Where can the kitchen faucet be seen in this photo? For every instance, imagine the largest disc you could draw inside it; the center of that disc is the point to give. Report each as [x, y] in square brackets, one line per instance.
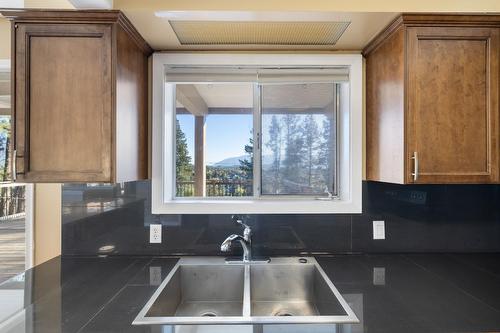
[245, 240]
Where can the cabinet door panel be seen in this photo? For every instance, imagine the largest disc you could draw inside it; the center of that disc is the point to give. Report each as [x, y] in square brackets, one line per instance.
[453, 104]
[63, 76]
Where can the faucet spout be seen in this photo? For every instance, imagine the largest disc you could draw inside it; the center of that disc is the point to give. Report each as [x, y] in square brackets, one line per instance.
[227, 243]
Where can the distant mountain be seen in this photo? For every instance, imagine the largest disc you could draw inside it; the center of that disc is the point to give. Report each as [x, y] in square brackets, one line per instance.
[235, 161]
[231, 161]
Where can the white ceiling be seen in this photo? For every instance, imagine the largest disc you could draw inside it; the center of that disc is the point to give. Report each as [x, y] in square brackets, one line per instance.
[295, 96]
[367, 17]
[226, 95]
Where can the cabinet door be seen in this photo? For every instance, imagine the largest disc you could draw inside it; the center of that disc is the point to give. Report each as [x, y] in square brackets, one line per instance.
[63, 103]
[452, 105]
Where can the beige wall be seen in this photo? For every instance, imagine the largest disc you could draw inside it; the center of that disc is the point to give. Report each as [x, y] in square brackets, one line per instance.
[56, 4]
[4, 39]
[47, 222]
[315, 5]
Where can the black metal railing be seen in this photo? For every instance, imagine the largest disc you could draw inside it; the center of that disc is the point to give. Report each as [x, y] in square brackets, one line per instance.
[216, 188]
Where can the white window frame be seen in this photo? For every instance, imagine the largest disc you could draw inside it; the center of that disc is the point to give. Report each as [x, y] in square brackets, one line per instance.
[163, 139]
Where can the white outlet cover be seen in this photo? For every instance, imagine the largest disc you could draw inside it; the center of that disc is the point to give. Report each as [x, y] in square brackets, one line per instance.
[155, 233]
[378, 229]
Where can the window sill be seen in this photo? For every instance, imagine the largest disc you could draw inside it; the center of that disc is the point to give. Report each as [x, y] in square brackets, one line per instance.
[251, 206]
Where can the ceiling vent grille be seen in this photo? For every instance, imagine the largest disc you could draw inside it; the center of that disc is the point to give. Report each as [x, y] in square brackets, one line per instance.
[258, 32]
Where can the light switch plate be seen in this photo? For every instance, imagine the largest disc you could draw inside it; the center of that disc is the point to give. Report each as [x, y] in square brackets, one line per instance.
[155, 233]
[378, 229]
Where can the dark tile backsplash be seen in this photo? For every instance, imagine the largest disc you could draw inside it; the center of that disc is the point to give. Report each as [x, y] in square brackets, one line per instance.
[109, 219]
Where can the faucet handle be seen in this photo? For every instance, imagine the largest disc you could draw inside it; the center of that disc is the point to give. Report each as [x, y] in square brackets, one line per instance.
[240, 221]
[226, 244]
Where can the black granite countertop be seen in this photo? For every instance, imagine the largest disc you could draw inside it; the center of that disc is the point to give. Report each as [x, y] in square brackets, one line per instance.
[388, 293]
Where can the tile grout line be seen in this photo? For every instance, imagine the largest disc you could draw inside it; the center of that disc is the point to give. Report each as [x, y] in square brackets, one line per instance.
[454, 285]
[102, 308]
[112, 298]
[479, 268]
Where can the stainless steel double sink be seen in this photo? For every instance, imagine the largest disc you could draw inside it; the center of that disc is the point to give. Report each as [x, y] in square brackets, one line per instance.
[206, 290]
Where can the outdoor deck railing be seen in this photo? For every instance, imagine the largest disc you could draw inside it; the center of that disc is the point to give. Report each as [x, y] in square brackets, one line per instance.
[12, 200]
[216, 188]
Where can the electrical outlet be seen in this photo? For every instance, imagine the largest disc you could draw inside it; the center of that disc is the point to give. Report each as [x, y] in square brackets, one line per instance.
[155, 233]
[378, 229]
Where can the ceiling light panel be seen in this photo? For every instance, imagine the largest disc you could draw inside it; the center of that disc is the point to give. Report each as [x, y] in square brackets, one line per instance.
[258, 32]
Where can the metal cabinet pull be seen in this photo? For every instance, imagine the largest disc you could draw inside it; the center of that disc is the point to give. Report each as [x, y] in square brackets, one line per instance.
[415, 166]
[14, 165]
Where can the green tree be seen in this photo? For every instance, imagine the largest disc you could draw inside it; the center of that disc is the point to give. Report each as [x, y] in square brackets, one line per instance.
[310, 133]
[326, 153]
[246, 165]
[275, 145]
[294, 148]
[183, 165]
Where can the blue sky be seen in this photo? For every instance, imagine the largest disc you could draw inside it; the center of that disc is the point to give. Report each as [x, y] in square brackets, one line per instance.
[226, 135]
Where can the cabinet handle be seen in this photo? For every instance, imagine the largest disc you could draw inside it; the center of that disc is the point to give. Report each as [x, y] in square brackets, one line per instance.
[415, 166]
[14, 165]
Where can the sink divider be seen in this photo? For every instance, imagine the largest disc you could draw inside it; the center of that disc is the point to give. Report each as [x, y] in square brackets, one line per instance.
[246, 293]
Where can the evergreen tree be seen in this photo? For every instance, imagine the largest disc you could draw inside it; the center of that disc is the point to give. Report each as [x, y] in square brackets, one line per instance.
[275, 145]
[246, 165]
[294, 148]
[325, 156]
[183, 165]
[310, 133]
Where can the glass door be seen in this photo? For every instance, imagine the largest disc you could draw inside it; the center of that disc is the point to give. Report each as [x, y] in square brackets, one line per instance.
[15, 199]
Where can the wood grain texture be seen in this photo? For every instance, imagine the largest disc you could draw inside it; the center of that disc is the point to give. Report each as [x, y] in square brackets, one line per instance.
[92, 16]
[63, 116]
[131, 162]
[70, 106]
[448, 66]
[200, 171]
[12, 248]
[81, 103]
[385, 111]
[453, 103]
[432, 19]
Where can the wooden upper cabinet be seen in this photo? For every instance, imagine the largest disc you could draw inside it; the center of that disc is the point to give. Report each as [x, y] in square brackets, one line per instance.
[452, 118]
[80, 97]
[432, 111]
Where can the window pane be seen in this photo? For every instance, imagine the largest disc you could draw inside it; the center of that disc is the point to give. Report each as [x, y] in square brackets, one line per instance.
[298, 139]
[214, 154]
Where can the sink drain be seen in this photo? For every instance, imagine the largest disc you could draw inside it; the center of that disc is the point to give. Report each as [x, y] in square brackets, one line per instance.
[208, 314]
[282, 313]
